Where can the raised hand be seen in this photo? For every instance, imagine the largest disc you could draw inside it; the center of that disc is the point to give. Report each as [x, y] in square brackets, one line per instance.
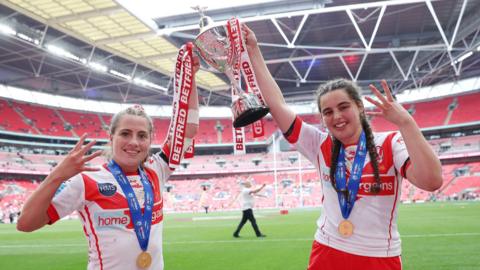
[391, 110]
[196, 63]
[75, 161]
[34, 212]
[250, 38]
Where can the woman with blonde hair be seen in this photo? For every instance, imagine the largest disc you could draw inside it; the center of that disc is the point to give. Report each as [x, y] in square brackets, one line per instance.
[120, 203]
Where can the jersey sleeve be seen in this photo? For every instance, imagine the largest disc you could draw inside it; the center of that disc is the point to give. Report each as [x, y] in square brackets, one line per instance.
[400, 154]
[306, 138]
[68, 198]
[159, 163]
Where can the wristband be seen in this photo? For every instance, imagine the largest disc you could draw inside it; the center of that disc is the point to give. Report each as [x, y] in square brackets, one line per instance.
[193, 116]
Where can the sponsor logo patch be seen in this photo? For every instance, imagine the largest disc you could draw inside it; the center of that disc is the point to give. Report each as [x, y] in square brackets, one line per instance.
[111, 220]
[379, 153]
[60, 188]
[387, 187]
[107, 189]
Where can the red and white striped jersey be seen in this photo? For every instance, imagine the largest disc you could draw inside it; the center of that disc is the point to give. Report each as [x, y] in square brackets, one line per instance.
[374, 216]
[104, 212]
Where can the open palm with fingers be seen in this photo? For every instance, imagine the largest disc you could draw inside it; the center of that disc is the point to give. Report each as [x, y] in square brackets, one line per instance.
[391, 110]
[76, 160]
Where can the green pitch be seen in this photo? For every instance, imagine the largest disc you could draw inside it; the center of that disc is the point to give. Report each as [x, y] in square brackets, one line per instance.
[435, 236]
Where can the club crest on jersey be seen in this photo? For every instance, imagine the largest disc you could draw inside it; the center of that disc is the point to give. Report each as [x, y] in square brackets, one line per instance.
[379, 153]
[107, 189]
[325, 176]
[400, 141]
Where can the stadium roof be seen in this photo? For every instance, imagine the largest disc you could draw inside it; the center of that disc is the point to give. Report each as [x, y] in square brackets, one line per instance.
[106, 50]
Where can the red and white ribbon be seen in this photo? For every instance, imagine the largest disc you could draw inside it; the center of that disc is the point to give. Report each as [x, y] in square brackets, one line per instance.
[234, 35]
[243, 63]
[183, 84]
[239, 141]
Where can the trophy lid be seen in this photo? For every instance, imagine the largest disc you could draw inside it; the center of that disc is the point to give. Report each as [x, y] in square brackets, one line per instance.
[205, 21]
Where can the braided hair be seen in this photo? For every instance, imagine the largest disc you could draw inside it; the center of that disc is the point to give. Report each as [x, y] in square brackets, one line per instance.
[353, 91]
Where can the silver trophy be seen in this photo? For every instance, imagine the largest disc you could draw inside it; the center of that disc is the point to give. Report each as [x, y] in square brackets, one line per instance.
[213, 46]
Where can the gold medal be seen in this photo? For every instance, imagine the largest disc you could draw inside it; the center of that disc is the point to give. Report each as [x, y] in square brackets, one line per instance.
[144, 259]
[345, 228]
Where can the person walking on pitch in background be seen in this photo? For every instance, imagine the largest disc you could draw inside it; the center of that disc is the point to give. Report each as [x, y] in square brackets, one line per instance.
[361, 171]
[204, 201]
[120, 203]
[248, 194]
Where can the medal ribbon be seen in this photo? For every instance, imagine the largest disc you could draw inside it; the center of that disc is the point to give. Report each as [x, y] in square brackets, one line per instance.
[183, 81]
[141, 223]
[242, 63]
[347, 193]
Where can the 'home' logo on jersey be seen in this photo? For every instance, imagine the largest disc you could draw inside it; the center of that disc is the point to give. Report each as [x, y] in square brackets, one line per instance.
[111, 220]
[107, 189]
[157, 215]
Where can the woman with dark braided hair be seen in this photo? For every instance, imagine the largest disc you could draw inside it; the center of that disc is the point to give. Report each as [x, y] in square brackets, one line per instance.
[353, 93]
[361, 171]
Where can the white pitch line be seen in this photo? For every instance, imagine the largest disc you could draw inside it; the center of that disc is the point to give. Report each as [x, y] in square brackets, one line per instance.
[43, 246]
[437, 235]
[250, 241]
[253, 241]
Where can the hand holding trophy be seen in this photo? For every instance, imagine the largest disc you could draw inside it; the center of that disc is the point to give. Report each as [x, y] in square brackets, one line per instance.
[223, 48]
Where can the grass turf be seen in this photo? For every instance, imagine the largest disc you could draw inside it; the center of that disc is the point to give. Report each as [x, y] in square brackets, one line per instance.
[434, 236]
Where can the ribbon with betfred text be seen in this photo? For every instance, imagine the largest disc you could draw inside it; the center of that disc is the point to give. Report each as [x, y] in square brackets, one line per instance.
[176, 90]
[252, 85]
[245, 66]
[183, 84]
[235, 36]
[189, 153]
